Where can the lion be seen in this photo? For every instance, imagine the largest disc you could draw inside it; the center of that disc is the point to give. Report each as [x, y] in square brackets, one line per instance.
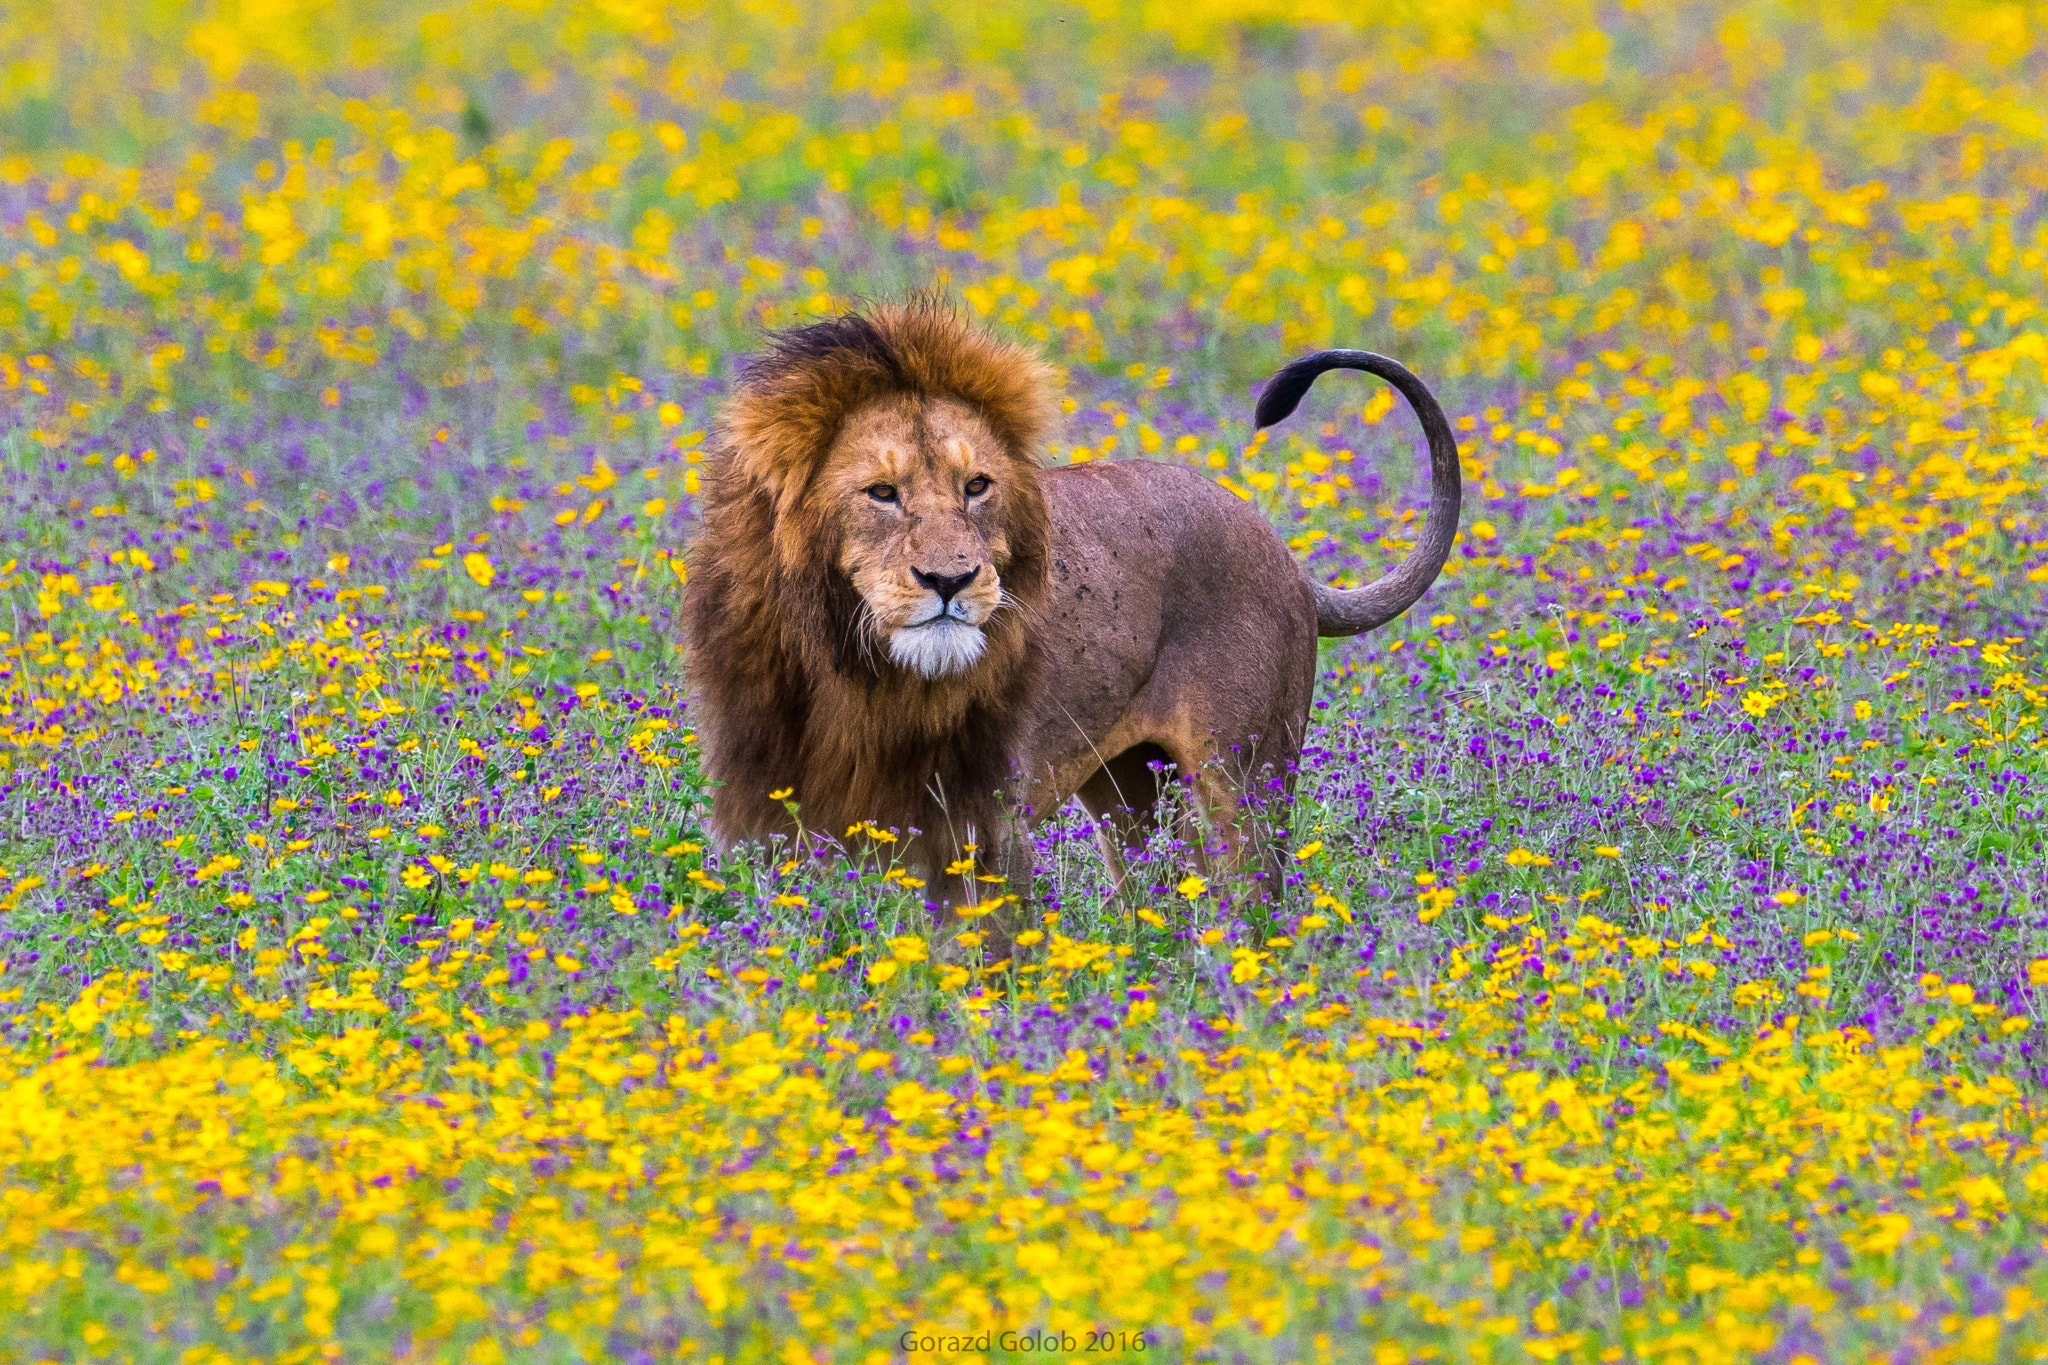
[899, 618]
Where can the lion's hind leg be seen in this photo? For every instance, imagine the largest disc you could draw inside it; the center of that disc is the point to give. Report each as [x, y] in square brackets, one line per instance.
[1124, 797]
[1208, 806]
[1242, 801]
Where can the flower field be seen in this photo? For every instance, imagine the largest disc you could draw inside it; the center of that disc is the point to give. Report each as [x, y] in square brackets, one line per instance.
[1659, 968]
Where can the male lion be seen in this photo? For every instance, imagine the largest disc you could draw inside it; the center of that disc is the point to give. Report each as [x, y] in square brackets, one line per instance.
[896, 611]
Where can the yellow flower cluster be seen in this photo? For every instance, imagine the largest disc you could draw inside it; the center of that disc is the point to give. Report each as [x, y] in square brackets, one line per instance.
[742, 1185]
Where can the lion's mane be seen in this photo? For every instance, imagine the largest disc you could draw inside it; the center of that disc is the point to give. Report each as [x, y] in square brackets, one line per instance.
[788, 690]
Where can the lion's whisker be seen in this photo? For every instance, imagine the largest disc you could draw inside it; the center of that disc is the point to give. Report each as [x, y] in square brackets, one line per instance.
[867, 631]
[1004, 600]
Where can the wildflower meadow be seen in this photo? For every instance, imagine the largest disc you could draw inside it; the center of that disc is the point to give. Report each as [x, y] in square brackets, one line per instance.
[1658, 966]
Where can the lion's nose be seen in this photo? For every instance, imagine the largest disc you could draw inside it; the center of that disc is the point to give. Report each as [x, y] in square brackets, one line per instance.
[945, 585]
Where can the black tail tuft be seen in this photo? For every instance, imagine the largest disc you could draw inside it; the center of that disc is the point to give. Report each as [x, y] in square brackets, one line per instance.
[1284, 391]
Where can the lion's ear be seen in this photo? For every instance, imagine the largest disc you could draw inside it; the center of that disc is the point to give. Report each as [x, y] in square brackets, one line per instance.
[766, 477]
[772, 440]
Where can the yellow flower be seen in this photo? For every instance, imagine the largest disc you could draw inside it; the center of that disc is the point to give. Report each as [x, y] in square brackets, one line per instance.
[1192, 886]
[1038, 1257]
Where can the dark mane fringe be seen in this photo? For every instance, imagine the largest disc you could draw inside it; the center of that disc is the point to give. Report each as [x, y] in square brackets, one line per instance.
[783, 696]
[848, 339]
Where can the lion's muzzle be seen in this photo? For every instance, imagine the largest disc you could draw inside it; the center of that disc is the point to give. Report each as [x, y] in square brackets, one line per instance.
[941, 631]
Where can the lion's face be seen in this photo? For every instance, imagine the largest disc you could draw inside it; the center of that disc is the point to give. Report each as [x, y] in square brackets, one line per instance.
[918, 485]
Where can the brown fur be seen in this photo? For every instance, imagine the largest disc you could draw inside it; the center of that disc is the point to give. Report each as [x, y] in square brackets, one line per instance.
[790, 691]
[1135, 614]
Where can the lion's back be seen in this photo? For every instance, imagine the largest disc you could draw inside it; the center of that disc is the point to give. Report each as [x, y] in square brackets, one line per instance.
[1205, 549]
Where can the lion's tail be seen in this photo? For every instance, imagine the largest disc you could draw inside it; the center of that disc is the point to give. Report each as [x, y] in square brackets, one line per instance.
[1342, 611]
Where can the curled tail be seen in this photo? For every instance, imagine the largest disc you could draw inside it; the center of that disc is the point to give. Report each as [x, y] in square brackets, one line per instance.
[1341, 611]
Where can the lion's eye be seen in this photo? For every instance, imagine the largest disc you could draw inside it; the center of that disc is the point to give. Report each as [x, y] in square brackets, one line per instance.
[882, 492]
[977, 485]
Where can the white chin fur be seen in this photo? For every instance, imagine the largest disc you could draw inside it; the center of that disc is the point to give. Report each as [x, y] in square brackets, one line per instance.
[938, 649]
